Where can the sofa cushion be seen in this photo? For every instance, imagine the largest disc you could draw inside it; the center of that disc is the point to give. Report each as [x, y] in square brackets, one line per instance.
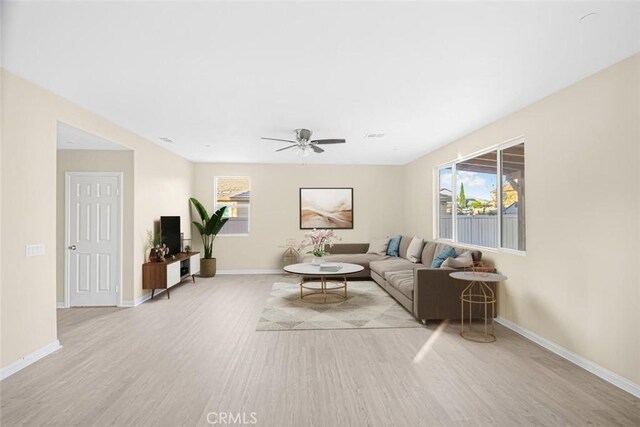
[405, 241]
[432, 248]
[447, 252]
[379, 246]
[463, 260]
[476, 255]
[394, 246]
[402, 280]
[428, 253]
[360, 259]
[390, 264]
[414, 251]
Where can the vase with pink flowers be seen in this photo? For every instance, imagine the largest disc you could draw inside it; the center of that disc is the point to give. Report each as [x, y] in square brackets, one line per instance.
[318, 240]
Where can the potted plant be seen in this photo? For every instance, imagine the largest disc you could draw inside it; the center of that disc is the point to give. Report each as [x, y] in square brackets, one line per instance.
[208, 229]
[318, 239]
[154, 242]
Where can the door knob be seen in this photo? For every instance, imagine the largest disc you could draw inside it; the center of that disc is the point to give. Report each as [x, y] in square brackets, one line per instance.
[72, 247]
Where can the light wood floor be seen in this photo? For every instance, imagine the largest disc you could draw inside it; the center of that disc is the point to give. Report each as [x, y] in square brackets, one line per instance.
[170, 363]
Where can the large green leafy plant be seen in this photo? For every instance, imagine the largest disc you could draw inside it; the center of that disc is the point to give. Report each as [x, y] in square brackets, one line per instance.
[209, 227]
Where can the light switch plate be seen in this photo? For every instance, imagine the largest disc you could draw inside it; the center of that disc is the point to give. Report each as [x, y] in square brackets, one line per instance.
[35, 250]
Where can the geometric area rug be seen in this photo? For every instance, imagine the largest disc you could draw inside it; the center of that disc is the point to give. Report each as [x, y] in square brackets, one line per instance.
[367, 307]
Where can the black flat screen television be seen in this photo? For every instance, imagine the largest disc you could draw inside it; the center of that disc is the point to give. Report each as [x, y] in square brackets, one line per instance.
[170, 230]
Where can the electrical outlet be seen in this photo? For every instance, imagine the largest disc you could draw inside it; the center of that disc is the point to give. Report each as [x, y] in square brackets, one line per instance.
[35, 250]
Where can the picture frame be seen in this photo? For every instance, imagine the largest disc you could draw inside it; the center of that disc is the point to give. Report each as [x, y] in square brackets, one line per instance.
[326, 207]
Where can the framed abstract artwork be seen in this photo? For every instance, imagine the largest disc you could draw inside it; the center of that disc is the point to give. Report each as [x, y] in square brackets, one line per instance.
[326, 208]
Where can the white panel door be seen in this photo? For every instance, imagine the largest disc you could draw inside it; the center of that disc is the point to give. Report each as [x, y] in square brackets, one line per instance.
[93, 239]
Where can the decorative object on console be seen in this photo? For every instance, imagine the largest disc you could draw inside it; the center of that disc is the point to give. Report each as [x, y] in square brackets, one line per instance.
[208, 229]
[186, 245]
[379, 246]
[318, 239]
[326, 208]
[154, 244]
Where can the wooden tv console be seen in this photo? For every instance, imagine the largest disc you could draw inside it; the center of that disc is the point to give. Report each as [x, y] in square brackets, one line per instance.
[170, 272]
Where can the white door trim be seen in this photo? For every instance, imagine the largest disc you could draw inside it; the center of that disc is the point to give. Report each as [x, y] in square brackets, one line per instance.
[67, 187]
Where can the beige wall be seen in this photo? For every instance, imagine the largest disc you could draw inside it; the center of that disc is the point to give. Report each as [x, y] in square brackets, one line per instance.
[578, 284]
[162, 186]
[97, 161]
[275, 207]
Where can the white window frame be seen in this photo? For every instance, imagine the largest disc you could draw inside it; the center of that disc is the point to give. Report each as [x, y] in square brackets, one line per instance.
[217, 206]
[454, 193]
[437, 208]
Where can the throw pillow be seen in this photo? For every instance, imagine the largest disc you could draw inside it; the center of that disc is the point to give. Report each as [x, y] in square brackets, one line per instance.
[379, 247]
[442, 256]
[463, 260]
[414, 251]
[394, 246]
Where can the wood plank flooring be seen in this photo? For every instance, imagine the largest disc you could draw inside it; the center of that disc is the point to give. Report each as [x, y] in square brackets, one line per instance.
[173, 362]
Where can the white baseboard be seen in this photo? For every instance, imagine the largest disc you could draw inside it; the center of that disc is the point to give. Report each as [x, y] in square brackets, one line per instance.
[572, 357]
[141, 299]
[267, 271]
[29, 359]
[60, 305]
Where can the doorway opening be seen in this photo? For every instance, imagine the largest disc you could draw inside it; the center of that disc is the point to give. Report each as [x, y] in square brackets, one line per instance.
[93, 177]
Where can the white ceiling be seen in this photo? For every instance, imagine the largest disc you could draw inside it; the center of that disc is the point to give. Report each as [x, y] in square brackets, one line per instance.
[214, 77]
[71, 138]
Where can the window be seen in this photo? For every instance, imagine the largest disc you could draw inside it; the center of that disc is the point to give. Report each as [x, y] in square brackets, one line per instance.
[475, 207]
[445, 220]
[235, 193]
[512, 200]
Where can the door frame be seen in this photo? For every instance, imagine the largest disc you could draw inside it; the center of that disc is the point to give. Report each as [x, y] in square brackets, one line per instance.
[119, 234]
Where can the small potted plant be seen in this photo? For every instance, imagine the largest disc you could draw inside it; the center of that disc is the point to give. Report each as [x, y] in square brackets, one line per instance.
[154, 243]
[208, 229]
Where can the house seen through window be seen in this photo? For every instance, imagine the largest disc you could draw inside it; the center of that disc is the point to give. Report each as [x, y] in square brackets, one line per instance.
[234, 192]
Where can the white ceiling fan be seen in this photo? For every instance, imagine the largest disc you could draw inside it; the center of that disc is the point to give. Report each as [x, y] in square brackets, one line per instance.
[303, 143]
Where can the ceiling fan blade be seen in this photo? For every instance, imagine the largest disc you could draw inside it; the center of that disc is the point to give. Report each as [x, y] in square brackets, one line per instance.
[282, 140]
[329, 141]
[316, 148]
[286, 148]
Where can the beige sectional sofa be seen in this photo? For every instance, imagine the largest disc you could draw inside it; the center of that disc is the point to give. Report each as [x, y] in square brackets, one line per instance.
[428, 293]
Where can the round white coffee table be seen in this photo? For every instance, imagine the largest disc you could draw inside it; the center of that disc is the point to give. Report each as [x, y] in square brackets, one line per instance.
[316, 273]
[478, 292]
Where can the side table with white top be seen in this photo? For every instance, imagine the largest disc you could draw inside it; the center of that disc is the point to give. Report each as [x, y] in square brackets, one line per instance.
[478, 292]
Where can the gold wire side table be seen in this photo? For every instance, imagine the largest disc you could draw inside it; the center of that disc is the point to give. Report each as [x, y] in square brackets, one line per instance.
[478, 292]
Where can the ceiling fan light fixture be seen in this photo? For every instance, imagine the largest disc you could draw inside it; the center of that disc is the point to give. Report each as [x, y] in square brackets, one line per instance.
[302, 151]
[303, 144]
